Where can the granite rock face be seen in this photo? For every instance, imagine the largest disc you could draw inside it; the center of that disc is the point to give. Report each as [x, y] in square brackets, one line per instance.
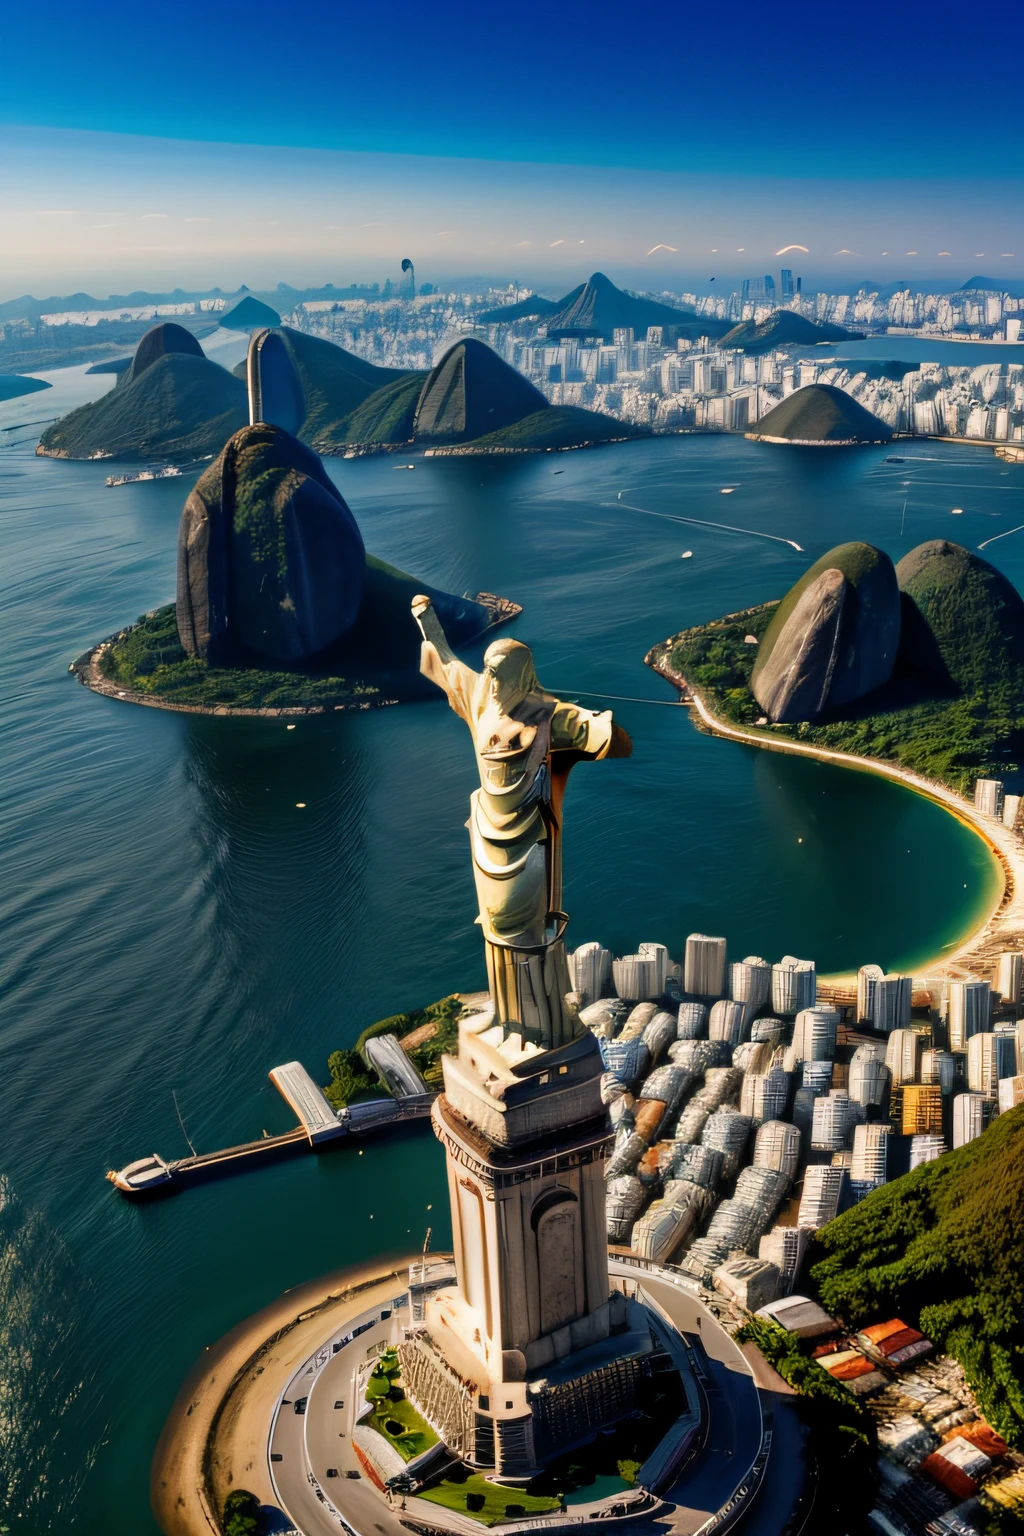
[157, 342]
[962, 620]
[834, 636]
[270, 559]
[275, 393]
[470, 392]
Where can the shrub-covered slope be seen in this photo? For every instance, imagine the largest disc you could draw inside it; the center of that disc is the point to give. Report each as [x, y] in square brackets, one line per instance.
[784, 329]
[560, 426]
[180, 407]
[943, 1247]
[962, 621]
[820, 413]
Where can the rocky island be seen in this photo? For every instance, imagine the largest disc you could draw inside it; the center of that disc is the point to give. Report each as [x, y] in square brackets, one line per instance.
[920, 665]
[279, 608]
[820, 416]
[171, 403]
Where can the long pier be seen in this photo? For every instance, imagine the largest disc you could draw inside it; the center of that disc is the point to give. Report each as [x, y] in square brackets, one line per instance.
[319, 1126]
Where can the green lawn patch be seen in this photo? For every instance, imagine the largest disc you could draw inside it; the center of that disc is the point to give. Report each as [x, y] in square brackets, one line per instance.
[954, 739]
[391, 1413]
[490, 1503]
[149, 658]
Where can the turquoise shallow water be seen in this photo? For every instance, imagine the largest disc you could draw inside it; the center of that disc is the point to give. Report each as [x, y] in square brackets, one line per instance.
[170, 921]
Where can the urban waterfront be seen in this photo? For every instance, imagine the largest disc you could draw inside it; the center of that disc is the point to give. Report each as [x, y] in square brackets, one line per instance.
[173, 921]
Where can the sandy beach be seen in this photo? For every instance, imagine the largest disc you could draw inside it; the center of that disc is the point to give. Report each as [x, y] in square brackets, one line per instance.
[1002, 928]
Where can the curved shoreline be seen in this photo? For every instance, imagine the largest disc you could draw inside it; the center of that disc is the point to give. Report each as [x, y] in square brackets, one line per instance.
[87, 669]
[187, 1464]
[1002, 928]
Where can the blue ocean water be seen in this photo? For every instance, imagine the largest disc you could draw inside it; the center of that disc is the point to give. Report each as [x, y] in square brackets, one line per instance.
[170, 920]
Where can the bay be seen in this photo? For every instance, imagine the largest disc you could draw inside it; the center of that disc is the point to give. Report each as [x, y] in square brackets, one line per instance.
[171, 921]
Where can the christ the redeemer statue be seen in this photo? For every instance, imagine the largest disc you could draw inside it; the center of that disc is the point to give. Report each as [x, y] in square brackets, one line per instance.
[526, 742]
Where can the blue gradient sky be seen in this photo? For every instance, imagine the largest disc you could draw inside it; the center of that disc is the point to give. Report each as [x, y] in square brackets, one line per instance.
[726, 132]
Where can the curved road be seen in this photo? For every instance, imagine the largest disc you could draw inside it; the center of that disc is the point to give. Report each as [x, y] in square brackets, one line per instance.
[311, 1445]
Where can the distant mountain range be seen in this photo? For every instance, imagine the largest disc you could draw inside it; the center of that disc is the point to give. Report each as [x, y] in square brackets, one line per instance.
[598, 308]
[172, 402]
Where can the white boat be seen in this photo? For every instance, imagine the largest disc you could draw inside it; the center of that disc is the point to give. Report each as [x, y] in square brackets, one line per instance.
[138, 1178]
[169, 472]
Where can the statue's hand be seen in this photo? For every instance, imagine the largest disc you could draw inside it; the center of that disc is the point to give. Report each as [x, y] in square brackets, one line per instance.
[420, 605]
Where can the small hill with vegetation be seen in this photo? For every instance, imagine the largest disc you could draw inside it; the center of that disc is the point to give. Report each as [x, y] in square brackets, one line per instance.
[180, 407]
[943, 1248]
[820, 414]
[472, 391]
[533, 307]
[334, 383]
[965, 627]
[963, 622]
[784, 328]
[559, 426]
[388, 415]
[599, 308]
[162, 340]
[250, 315]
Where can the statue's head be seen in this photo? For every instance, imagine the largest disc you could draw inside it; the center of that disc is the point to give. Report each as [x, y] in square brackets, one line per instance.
[508, 664]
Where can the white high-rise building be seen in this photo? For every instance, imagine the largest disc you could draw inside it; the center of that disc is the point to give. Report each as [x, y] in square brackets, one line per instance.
[659, 955]
[988, 797]
[868, 978]
[704, 966]
[764, 1096]
[590, 967]
[925, 1149]
[777, 1145]
[822, 1194]
[869, 1163]
[901, 1056]
[1011, 810]
[794, 985]
[814, 1035]
[968, 1009]
[968, 1118]
[1010, 975]
[635, 978]
[785, 1248]
[831, 1121]
[893, 996]
[728, 1021]
[750, 981]
[939, 1067]
[869, 1075]
[883, 1002]
[990, 1057]
[817, 1076]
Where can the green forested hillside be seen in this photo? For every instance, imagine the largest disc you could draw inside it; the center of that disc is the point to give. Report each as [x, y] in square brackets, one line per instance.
[943, 1248]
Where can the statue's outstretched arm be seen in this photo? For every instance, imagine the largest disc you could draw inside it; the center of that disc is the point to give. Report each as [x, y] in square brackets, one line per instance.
[430, 628]
[439, 662]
